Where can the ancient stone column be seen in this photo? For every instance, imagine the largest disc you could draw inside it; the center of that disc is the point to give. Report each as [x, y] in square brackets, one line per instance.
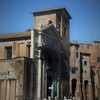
[43, 83]
[59, 76]
[8, 90]
[39, 77]
[39, 94]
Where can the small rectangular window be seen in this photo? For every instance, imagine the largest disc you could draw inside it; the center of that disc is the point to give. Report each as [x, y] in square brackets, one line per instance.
[76, 47]
[98, 59]
[85, 62]
[8, 52]
[28, 50]
[77, 54]
[73, 71]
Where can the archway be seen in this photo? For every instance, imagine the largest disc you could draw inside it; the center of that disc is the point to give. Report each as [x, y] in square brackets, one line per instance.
[74, 82]
[86, 88]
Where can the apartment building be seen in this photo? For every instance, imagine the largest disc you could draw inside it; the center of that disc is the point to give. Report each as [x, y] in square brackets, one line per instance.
[84, 71]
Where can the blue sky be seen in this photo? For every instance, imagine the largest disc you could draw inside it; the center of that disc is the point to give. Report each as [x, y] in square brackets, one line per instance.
[84, 26]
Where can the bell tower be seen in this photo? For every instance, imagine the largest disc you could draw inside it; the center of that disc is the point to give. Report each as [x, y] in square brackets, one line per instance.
[59, 17]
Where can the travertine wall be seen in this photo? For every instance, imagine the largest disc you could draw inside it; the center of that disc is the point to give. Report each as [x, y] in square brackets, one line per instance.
[13, 79]
[12, 70]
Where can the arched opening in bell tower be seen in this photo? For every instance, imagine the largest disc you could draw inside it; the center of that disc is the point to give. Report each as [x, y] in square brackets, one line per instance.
[86, 88]
[74, 82]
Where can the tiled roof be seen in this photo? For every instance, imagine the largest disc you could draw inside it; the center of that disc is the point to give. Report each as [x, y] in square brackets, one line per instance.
[52, 9]
[49, 9]
[15, 35]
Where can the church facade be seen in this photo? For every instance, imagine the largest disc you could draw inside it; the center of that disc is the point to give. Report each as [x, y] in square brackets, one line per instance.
[35, 64]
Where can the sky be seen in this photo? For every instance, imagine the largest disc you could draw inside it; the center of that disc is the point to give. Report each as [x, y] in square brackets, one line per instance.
[15, 16]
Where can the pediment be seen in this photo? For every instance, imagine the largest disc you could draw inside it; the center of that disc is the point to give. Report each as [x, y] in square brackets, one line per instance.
[50, 38]
[51, 31]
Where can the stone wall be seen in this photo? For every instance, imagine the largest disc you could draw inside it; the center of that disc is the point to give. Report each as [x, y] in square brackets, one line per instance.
[13, 78]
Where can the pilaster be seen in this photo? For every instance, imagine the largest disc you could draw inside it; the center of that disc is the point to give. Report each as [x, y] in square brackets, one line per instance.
[3, 90]
[32, 43]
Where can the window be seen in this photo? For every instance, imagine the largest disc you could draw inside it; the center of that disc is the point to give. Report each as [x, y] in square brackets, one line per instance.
[28, 50]
[76, 47]
[77, 54]
[85, 62]
[8, 52]
[73, 70]
[98, 59]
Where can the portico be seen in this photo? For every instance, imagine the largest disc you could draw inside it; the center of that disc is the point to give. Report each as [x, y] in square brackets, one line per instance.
[49, 48]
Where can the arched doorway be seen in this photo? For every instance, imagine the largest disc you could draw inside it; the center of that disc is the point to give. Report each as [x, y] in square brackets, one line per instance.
[86, 88]
[74, 82]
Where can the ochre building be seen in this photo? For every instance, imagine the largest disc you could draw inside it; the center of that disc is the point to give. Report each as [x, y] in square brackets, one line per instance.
[85, 71]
